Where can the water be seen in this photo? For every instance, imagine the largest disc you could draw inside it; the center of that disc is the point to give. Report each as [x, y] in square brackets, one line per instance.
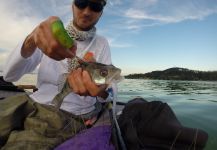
[194, 102]
[27, 79]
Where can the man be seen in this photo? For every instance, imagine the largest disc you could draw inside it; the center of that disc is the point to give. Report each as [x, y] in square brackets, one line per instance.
[44, 125]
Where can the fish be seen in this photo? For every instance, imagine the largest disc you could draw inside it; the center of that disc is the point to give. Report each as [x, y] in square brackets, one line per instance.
[99, 73]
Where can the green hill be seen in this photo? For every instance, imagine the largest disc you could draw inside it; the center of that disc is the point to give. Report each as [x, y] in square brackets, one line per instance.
[176, 74]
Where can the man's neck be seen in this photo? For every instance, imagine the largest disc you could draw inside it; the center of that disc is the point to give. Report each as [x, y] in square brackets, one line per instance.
[81, 29]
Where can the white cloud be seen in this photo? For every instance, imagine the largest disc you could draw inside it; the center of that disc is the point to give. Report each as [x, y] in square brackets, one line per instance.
[114, 44]
[138, 14]
[120, 45]
[115, 2]
[20, 17]
[13, 27]
[3, 56]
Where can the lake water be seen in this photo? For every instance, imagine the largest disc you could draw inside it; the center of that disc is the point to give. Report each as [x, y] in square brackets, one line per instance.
[194, 102]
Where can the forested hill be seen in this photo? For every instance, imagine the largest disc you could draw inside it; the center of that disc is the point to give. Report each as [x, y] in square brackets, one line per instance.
[176, 74]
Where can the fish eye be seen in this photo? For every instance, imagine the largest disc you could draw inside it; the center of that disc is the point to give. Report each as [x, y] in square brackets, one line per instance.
[103, 72]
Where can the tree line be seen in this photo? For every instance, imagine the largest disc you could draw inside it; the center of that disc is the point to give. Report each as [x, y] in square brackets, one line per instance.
[176, 74]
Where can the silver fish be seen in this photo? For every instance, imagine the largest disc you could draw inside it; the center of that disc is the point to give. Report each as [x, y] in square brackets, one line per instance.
[100, 74]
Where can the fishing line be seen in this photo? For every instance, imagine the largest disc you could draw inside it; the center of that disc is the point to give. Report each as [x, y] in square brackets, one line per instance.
[123, 146]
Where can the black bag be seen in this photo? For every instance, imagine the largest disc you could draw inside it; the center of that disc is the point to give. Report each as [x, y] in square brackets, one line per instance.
[8, 86]
[154, 126]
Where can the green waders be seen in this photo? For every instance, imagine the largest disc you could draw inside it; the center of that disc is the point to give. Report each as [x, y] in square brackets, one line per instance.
[28, 125]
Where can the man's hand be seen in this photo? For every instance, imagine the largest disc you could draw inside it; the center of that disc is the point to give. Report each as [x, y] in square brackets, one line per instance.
[82, 84]
[43, 38]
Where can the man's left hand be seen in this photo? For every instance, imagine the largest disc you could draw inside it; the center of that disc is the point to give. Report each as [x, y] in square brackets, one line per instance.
[82, 84]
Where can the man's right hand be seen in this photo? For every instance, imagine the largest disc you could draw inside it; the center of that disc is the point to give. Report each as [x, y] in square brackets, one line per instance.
[42, 37]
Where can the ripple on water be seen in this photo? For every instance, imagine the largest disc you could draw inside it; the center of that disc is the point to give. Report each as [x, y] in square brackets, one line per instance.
[194, 102]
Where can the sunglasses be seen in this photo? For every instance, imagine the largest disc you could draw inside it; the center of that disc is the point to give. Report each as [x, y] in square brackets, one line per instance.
[94, 6]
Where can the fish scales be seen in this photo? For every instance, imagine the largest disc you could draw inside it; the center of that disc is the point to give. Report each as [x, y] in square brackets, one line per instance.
[99, 73]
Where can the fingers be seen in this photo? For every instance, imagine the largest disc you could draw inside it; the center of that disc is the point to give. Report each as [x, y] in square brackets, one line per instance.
[92, 88]
[73, 48]
[89, 84]
[57, 52]
[75, 80]
[82, 84]
[46, 41]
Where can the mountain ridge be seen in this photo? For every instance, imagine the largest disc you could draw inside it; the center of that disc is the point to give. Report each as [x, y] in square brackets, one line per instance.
[176, 73]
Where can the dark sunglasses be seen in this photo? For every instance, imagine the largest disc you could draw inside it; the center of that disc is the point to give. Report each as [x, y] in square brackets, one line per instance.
[94, 6]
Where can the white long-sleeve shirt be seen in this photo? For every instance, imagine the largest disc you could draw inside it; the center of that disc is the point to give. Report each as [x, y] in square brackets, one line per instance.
[50, 70]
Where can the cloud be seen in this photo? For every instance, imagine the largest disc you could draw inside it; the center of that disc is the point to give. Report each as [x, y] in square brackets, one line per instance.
[18, 18]
[14, 24]
[139, 14]
[3, 56]
[114, 44]
[120, 45]
[114, 38]
[180, 14]
[115, 2]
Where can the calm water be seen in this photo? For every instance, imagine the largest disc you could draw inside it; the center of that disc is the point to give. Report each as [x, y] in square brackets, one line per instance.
[194, 102]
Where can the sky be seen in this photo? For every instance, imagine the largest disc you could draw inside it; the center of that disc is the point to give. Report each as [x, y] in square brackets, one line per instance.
[144, 35]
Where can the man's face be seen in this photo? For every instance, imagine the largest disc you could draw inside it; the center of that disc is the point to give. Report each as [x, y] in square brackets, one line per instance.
[85, 18]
